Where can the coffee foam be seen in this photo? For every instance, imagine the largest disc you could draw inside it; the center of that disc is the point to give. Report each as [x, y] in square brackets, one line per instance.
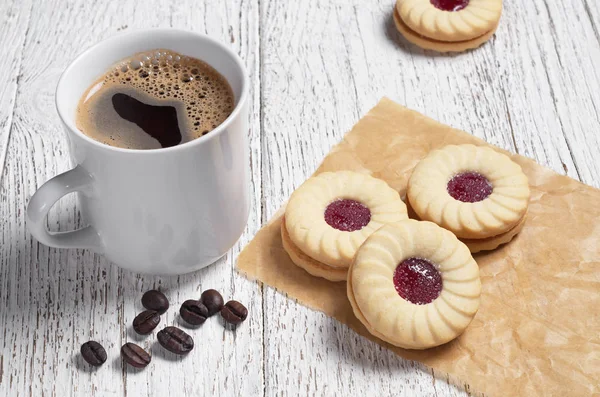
[167, 78]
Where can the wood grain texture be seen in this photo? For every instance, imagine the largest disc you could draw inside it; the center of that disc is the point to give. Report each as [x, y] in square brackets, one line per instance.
[54, 300]
[15, 22]
[316, 67]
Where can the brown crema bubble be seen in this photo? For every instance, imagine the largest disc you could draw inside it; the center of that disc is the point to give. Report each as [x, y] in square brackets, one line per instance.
[154, 99]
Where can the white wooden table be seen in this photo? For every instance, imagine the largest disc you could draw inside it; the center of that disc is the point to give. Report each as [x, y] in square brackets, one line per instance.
[316, 67]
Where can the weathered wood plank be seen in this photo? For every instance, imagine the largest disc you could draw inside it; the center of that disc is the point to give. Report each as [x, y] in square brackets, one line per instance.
[54, 300]
[14, 28]
[13, 31]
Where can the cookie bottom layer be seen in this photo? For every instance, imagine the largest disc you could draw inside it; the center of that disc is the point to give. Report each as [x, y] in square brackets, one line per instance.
[437, 45]
[307, 263]
[491, 243]
[483, 244]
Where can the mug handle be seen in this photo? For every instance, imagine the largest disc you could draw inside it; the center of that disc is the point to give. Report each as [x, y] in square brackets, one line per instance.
[46, 196]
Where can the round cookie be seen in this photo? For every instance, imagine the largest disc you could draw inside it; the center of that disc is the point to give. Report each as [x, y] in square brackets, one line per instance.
[450, 20]
[332, 214]
[436, 45]
[307, 263]
[414, 284]
[473, 191]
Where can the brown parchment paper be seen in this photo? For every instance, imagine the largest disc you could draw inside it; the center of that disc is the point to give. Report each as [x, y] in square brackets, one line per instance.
[537, 331]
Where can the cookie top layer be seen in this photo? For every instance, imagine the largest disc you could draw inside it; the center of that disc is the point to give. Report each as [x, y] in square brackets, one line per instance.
[448, 187]
[415, 284]
[450, 20]
[332, 214]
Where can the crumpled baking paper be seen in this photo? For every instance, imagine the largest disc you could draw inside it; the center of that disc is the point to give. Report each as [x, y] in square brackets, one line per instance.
[537, 331]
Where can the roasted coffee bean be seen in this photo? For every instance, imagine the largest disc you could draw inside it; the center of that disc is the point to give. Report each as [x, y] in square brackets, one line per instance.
[213, 301]
[146, 321]
[134, 355]
[93, 353]
[193, 312]
[175, 340]
[234, 312]
[155, 300]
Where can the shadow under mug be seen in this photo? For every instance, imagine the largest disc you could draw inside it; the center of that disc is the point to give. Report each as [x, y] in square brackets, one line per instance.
[160, 211]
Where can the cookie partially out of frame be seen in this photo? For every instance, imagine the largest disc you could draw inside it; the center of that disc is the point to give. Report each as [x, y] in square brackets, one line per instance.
[438, 45]
[450, 20]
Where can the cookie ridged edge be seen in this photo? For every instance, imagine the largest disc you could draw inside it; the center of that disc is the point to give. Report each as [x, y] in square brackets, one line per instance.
[498, 213]
[375, 301]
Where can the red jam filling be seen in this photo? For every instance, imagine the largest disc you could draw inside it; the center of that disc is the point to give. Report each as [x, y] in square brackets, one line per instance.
[469, 187]
[347, 215]
[418, 281]
[450, 5]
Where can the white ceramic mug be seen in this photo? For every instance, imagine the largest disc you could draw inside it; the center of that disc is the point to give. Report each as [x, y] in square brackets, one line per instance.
[161, 211]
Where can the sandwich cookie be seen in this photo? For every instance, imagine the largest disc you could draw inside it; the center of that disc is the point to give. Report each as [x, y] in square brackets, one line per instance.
[478, 194]
[447, 25]
[331, 215]
[414, 285]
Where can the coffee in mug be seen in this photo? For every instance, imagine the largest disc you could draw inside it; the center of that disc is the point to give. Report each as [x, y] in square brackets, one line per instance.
[154, 99]
[167, 211]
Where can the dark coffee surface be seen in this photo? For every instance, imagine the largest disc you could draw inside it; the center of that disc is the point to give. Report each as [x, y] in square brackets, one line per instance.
[153, 100]
[160, 122]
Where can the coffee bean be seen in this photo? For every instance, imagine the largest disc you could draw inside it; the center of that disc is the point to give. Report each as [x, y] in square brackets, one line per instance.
[213, 301]
[146, 321]
[234, 312]
[93, 353]
[155, 300]
[175, 340]
[134, 355]
[194, 312]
